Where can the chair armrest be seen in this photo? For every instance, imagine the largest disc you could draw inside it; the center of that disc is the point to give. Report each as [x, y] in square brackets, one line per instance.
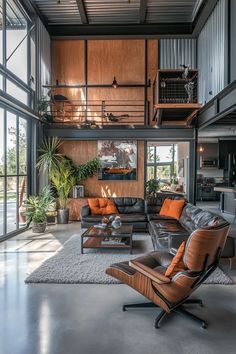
[149, 272]
[85, 211]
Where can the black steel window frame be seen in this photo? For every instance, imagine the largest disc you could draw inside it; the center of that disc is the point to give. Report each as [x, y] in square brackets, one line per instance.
[4, 71]
[30, 174]
[156, 164]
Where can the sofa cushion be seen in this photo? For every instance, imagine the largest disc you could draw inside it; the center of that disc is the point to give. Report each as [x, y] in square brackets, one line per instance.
[187, 217]
[129, 205]
[153, 204]
[127, 218]
[177, 263]
[102, 206]
[165, 207]
[172, 208]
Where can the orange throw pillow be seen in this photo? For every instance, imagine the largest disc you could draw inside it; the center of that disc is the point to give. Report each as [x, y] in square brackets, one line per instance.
[102, 206]
[177, 263]
[165, 207]
[172, 208]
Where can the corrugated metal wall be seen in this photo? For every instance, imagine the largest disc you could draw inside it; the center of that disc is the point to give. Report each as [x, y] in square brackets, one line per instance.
[44, 55]
[211, 54]
[174, 52]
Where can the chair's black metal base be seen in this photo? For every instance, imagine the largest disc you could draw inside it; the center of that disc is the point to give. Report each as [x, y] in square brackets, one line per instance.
[179, 309]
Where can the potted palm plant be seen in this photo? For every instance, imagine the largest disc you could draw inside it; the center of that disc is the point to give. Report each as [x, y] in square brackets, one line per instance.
[63, 180]
[36, 207]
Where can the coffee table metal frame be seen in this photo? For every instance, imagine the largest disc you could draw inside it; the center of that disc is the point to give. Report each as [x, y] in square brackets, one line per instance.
[92, 238]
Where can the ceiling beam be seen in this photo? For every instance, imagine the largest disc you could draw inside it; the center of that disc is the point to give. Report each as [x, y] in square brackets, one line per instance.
[205, 11]
[131, 30]
[82, 11]
[142, 11]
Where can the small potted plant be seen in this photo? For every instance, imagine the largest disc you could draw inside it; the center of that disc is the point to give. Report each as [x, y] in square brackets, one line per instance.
[36, 207]
[152, 186]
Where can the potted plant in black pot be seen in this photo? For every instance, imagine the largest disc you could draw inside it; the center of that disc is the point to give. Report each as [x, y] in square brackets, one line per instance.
[63, 180]
[36, 208]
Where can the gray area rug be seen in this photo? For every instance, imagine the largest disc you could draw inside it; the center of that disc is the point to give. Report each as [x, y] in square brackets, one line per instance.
[69, 266]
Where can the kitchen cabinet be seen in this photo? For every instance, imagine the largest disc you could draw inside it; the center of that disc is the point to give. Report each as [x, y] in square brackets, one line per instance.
[208, 154]
[226, 147]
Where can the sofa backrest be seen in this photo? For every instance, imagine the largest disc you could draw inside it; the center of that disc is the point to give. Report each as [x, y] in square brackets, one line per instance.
[187, 217]
[153, 204]
[193, 218]
[129, 205]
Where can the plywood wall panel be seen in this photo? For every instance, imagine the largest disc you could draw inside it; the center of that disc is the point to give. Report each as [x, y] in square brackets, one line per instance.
[152, 70]
[124, 59]
[82, 151]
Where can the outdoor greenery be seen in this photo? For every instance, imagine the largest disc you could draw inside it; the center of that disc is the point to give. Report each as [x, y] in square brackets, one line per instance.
[37, 206]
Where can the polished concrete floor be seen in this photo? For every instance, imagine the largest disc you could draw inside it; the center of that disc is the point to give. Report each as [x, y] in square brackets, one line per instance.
[87, 319]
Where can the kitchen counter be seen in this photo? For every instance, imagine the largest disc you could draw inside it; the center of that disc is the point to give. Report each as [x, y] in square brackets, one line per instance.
[227, 199]
[225, 189]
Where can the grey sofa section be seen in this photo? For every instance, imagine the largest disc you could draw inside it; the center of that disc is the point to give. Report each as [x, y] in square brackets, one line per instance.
[170, 233]
[131, 211]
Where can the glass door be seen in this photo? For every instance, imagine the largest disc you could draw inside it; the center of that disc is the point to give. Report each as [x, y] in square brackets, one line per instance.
[13, 171]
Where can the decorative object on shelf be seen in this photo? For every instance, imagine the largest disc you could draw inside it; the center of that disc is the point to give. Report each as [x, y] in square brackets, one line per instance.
[78, 191]
[118, 160]
[152, 186]
[116, 223]
[189, 89]
[37, 207]
[112, 118]
[186, 70]
[114, 83]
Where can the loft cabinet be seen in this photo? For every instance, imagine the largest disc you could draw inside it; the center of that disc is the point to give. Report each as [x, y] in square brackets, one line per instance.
[175, 94]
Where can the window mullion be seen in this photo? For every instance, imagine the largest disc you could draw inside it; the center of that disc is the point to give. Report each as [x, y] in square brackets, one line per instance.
[17, 172]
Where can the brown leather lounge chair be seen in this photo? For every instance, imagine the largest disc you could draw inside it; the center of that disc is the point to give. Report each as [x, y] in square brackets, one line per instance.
[146, 274]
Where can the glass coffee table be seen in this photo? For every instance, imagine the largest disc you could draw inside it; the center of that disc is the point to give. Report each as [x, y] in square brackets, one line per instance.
[108, 238]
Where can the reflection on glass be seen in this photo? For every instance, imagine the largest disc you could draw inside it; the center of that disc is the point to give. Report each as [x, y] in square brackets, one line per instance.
[1, 33]
[16, 40]
[17, 92]
[150, 154]
[164, 153]
[22, 146]
[1, 141]
[11, 204]
[22, 199]
[150, 173]
[1, 205]
[11, 144]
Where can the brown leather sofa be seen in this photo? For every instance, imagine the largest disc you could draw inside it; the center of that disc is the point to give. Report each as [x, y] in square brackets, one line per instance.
[146, 274]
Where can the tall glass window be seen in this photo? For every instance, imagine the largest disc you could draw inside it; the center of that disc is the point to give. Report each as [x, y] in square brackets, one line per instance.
[13, 171]
[17, 52]
[168, 162]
